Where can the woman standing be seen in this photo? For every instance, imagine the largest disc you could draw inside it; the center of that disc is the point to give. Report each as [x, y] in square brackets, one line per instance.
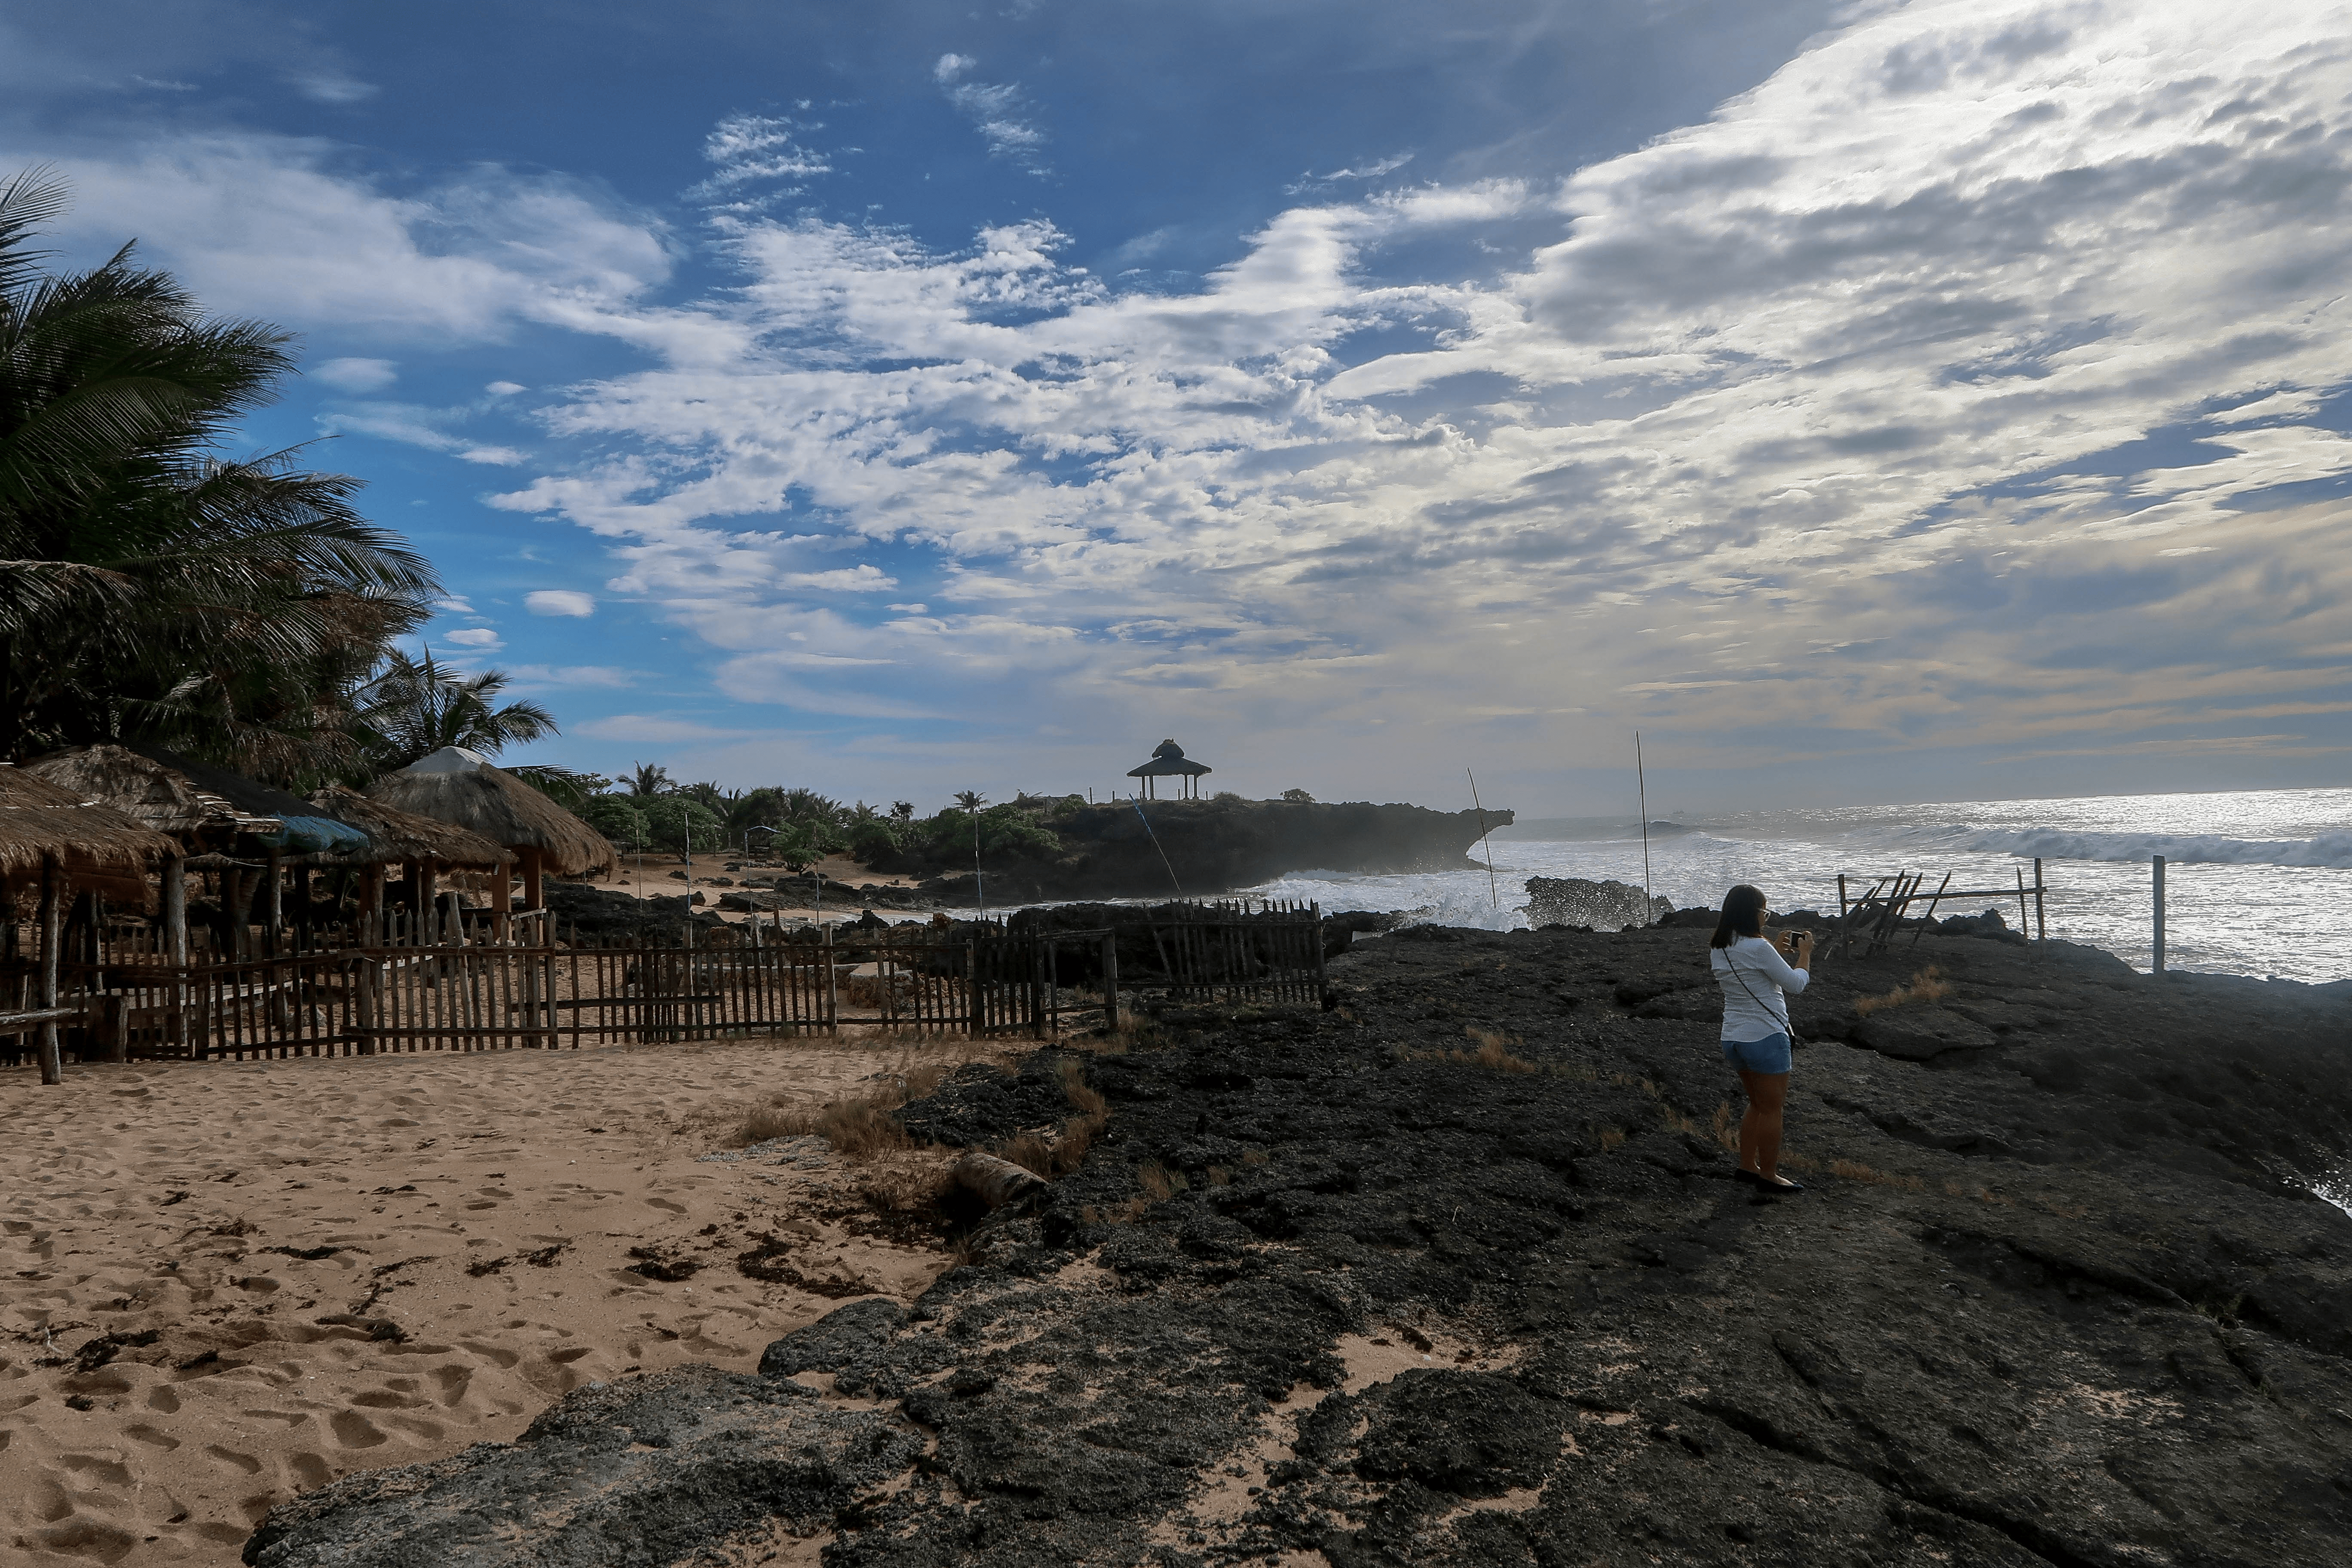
[1758, 980]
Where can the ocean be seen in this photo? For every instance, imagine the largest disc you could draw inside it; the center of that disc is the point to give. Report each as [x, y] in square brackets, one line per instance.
[2257, 882]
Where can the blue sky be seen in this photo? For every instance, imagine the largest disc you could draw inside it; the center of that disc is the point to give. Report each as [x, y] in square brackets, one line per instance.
[1868, 401]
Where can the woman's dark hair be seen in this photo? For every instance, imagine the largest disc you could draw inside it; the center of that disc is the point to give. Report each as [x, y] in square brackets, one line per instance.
[1743, 915]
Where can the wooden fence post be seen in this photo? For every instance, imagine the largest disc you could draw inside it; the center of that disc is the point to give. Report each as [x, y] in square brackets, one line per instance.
[1110, 981]
[2159, 914]
[2040, 915]
[832, 989]
[1314, 928]
[112, 1016]
[53, 1068]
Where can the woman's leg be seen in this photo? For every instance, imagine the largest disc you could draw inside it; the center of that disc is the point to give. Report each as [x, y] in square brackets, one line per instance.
[1760, 1127]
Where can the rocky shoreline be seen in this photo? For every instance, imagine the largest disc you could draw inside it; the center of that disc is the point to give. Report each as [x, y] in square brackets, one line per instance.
[1455, 1272]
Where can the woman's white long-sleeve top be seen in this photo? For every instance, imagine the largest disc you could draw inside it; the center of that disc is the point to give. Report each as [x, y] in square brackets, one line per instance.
[1754, 977]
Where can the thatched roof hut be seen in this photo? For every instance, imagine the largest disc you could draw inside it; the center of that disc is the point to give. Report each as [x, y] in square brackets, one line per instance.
[460, 787]
[96, 848]
[195, 801]
[403, 835]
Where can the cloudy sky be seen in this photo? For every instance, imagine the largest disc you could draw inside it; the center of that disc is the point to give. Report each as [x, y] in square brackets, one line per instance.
[1868, 401]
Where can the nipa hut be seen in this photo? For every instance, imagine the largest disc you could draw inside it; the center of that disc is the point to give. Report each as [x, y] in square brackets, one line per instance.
[422, 844]
[243, 831]
[460, 787]
[71, 849]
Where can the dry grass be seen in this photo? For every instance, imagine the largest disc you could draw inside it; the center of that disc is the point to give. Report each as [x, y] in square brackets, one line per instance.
[1725, 1127]
[1610, 1138]
[1494, 1052]
[1855, 1170]
[1256, 1157]
[1058, 1155]
[1982, 1195]
[909, 1191]
[1220, 1177]
[1927, 986]
[1158, 1182]
[857, 1126]
[1800, 1161]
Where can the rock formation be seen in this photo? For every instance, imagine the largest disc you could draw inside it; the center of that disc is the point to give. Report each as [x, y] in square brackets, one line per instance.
[1457, 1273]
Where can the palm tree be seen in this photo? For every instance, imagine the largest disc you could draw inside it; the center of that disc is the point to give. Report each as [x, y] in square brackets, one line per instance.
[416, 705]
[149, 588]
[970, 800]
[648, 779]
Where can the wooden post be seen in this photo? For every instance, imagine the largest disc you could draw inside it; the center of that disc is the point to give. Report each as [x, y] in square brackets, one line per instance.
[2024, 924]
[370, 980]
[832, 990]
[1110, 981]
[370, 911]
[175, 950]
[534, 873]
[1322, 976]
[501, 901]
[2040, 915]
[1845, 937]
[53, 1064]
[112, 1016]
[274, 911]
[2159, 914]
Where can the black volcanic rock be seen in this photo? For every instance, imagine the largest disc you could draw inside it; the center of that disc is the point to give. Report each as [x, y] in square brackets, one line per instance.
[2064, 1298]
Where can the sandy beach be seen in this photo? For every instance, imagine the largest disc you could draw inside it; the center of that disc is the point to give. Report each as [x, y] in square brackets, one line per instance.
[224, 1284]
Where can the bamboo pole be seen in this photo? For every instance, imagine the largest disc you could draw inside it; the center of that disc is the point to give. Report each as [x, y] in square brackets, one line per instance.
[53, 1069]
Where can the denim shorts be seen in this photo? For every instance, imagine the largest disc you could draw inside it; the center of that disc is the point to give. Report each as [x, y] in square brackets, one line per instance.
[1768, 1055]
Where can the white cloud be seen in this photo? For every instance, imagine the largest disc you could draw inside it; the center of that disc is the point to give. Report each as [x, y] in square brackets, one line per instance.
[650, 727]
[997, 111]
[273, 226]
[558, 602]
[333, 87]
[1802, 434]
[587, 674]
[418, 426]
[505, 388]
[356, 375]
[480, 639]
[750, 148]
[1372, 171]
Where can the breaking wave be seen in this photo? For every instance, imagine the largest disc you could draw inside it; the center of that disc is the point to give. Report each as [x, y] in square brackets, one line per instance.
[2326, 850]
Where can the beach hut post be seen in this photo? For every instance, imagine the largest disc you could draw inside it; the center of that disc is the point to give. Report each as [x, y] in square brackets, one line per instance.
[273, 875]
[501, 904]
[533, 885]
[53, 1068]
[175, 944]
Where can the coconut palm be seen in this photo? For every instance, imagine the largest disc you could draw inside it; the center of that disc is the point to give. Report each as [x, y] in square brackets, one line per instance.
[414, 707]
[149, 588]
[648, 779]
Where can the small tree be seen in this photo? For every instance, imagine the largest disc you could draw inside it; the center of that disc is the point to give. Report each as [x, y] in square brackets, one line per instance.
[1297, 797]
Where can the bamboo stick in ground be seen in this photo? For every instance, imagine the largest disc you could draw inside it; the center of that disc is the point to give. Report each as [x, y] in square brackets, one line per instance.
[53, 1069]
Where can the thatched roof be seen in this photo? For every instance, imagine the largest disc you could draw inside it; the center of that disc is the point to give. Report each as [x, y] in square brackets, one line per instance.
[93, 845]
[1168, 759]
[399, 834]
[456, 786]
[188, 799]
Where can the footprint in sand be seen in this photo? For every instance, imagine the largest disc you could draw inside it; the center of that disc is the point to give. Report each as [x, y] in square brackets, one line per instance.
[453, 1381]
[310, 1471]
[354, 1430]
[152, 1437]
[232, 1459]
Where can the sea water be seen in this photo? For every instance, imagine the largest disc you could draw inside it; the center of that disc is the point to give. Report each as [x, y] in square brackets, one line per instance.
[2257, 882]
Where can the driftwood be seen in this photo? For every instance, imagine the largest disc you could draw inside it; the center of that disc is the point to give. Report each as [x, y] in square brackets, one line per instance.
[997, 1181]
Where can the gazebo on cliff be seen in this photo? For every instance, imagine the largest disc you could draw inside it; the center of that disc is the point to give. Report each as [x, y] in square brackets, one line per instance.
[1168, 761]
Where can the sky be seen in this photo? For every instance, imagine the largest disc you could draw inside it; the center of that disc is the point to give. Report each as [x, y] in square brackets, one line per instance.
[1866, 402]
